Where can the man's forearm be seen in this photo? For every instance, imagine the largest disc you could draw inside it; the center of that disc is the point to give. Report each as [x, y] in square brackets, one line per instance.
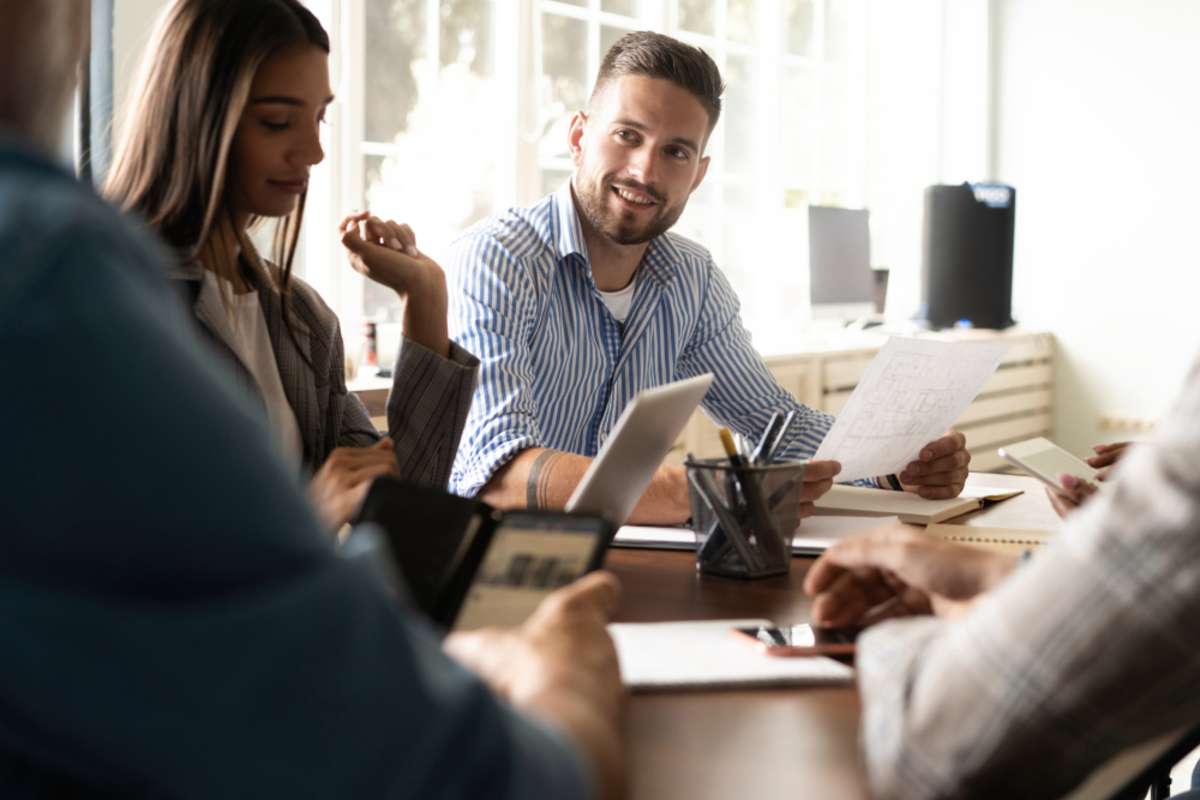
[541, 478]
[536, 478]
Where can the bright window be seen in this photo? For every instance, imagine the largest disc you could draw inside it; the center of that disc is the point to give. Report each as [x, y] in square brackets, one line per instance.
[451, 110]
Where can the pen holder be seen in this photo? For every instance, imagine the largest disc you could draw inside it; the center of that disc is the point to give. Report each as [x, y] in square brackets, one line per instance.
[744, 517]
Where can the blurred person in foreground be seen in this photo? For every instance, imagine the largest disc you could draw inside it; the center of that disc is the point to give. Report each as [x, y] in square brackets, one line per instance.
[1016, 677]
[177, 622]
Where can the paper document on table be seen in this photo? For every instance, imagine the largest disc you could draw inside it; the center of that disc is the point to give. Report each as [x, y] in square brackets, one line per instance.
[708, 655]
[910, 394]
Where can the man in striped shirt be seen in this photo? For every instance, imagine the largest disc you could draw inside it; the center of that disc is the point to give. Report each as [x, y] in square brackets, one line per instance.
[576, 304]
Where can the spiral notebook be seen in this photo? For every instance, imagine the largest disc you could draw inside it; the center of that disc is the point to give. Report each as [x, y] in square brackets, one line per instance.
[1008, 540]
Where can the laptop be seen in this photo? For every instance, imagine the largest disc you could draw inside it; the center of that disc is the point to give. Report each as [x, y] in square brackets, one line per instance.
[639, 442]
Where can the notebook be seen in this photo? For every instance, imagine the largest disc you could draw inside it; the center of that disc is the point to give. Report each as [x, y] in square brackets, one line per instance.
[1007, 540]
[908, 506]
[708, 655]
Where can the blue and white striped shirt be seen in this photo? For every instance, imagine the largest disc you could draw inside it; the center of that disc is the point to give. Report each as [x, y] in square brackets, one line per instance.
[557, 369]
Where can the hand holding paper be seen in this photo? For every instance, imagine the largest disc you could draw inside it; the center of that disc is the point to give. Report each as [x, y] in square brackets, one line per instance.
[909, 396]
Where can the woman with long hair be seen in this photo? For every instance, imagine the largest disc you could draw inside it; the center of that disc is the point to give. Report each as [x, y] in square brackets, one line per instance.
[220, 138]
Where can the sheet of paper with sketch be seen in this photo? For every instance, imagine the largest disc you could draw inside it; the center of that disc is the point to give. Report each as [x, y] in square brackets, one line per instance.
[910, 394]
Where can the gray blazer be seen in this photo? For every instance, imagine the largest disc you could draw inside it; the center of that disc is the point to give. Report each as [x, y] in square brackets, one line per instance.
[427, 407]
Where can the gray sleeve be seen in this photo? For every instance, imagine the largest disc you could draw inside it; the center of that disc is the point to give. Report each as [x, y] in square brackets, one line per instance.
[427, 409]
[1084, 652]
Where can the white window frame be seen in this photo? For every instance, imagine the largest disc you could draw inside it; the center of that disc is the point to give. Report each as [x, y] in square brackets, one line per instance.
[338, 188]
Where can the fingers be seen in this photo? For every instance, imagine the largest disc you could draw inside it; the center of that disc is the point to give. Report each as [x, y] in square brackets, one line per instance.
[941, 470]
[937, 471]
[1107, 454]
[950, 443]
[821, 470]
[851, 598]
[595, 595]
[1063, 506]
[1078, 491]
[865, 550]
[920, 562]
[405, 237]
[817, 480]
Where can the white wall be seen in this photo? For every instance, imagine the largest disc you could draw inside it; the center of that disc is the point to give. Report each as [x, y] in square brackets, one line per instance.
[1098, 127]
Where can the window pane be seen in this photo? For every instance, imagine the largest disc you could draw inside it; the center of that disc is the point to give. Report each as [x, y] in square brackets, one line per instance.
[394, 31]
[553, 179]
[379, 302]
[697, 16]
[799, 27]
[837, 24]
[626, 7]
[798, 107]
[608, 36]
[740, 20]
[465, 35]
[564, 79]
[738, 114]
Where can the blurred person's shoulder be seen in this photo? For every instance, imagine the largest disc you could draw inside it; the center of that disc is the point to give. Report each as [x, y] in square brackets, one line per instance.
[54, 230]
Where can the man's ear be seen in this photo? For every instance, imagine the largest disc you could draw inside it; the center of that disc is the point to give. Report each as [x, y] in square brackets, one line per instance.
[700, 174]
[575, 136]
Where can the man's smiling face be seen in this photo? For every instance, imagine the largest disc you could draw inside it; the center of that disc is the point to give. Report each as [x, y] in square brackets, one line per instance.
[637, 154]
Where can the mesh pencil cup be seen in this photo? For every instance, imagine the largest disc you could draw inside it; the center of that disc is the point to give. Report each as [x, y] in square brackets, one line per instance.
[744, 517]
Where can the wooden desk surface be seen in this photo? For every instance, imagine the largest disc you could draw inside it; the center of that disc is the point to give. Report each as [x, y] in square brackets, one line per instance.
[763, 743]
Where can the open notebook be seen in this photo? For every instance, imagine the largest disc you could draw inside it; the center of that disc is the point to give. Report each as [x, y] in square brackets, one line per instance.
[907, 506]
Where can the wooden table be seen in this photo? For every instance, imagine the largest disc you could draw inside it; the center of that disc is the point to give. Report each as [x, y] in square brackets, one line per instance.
[763, 743]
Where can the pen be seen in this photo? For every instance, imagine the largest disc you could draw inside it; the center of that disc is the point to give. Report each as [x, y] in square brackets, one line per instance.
[773, 448]
[756, 508]
[758, 456]
[727, 526]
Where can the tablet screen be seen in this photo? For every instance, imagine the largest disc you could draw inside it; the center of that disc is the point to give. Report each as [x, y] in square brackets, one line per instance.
[528, 558]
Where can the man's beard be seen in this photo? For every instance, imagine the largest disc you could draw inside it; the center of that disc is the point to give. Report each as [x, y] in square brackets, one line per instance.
[617, 227]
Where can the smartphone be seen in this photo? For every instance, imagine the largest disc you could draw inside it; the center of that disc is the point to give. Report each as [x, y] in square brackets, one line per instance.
[798, 640]
[529, 556]
[1045, 460]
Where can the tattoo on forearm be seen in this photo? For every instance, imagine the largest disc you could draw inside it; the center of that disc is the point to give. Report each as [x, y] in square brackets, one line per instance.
[537, 489]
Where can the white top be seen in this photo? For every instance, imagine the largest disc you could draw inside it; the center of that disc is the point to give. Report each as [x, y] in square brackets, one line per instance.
[620, 301]
[246, 334]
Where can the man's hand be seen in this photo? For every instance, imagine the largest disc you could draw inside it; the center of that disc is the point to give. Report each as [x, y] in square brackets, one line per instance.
[561, 666]
[898, 570]
[386, 252]
[342, 481]
[817, 480]
[1106, 458]
[941, 469]
[1079, 491]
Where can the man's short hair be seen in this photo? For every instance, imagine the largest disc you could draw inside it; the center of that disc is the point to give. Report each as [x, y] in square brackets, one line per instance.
[654, 55]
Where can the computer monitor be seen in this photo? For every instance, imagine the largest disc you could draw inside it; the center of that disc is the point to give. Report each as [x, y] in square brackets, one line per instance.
[841, 283]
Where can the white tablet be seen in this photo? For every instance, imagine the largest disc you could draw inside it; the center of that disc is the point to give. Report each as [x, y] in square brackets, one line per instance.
[1045, 460]
[639, 442]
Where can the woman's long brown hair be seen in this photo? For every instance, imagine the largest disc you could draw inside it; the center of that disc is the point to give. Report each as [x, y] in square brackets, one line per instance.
[171, 165]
